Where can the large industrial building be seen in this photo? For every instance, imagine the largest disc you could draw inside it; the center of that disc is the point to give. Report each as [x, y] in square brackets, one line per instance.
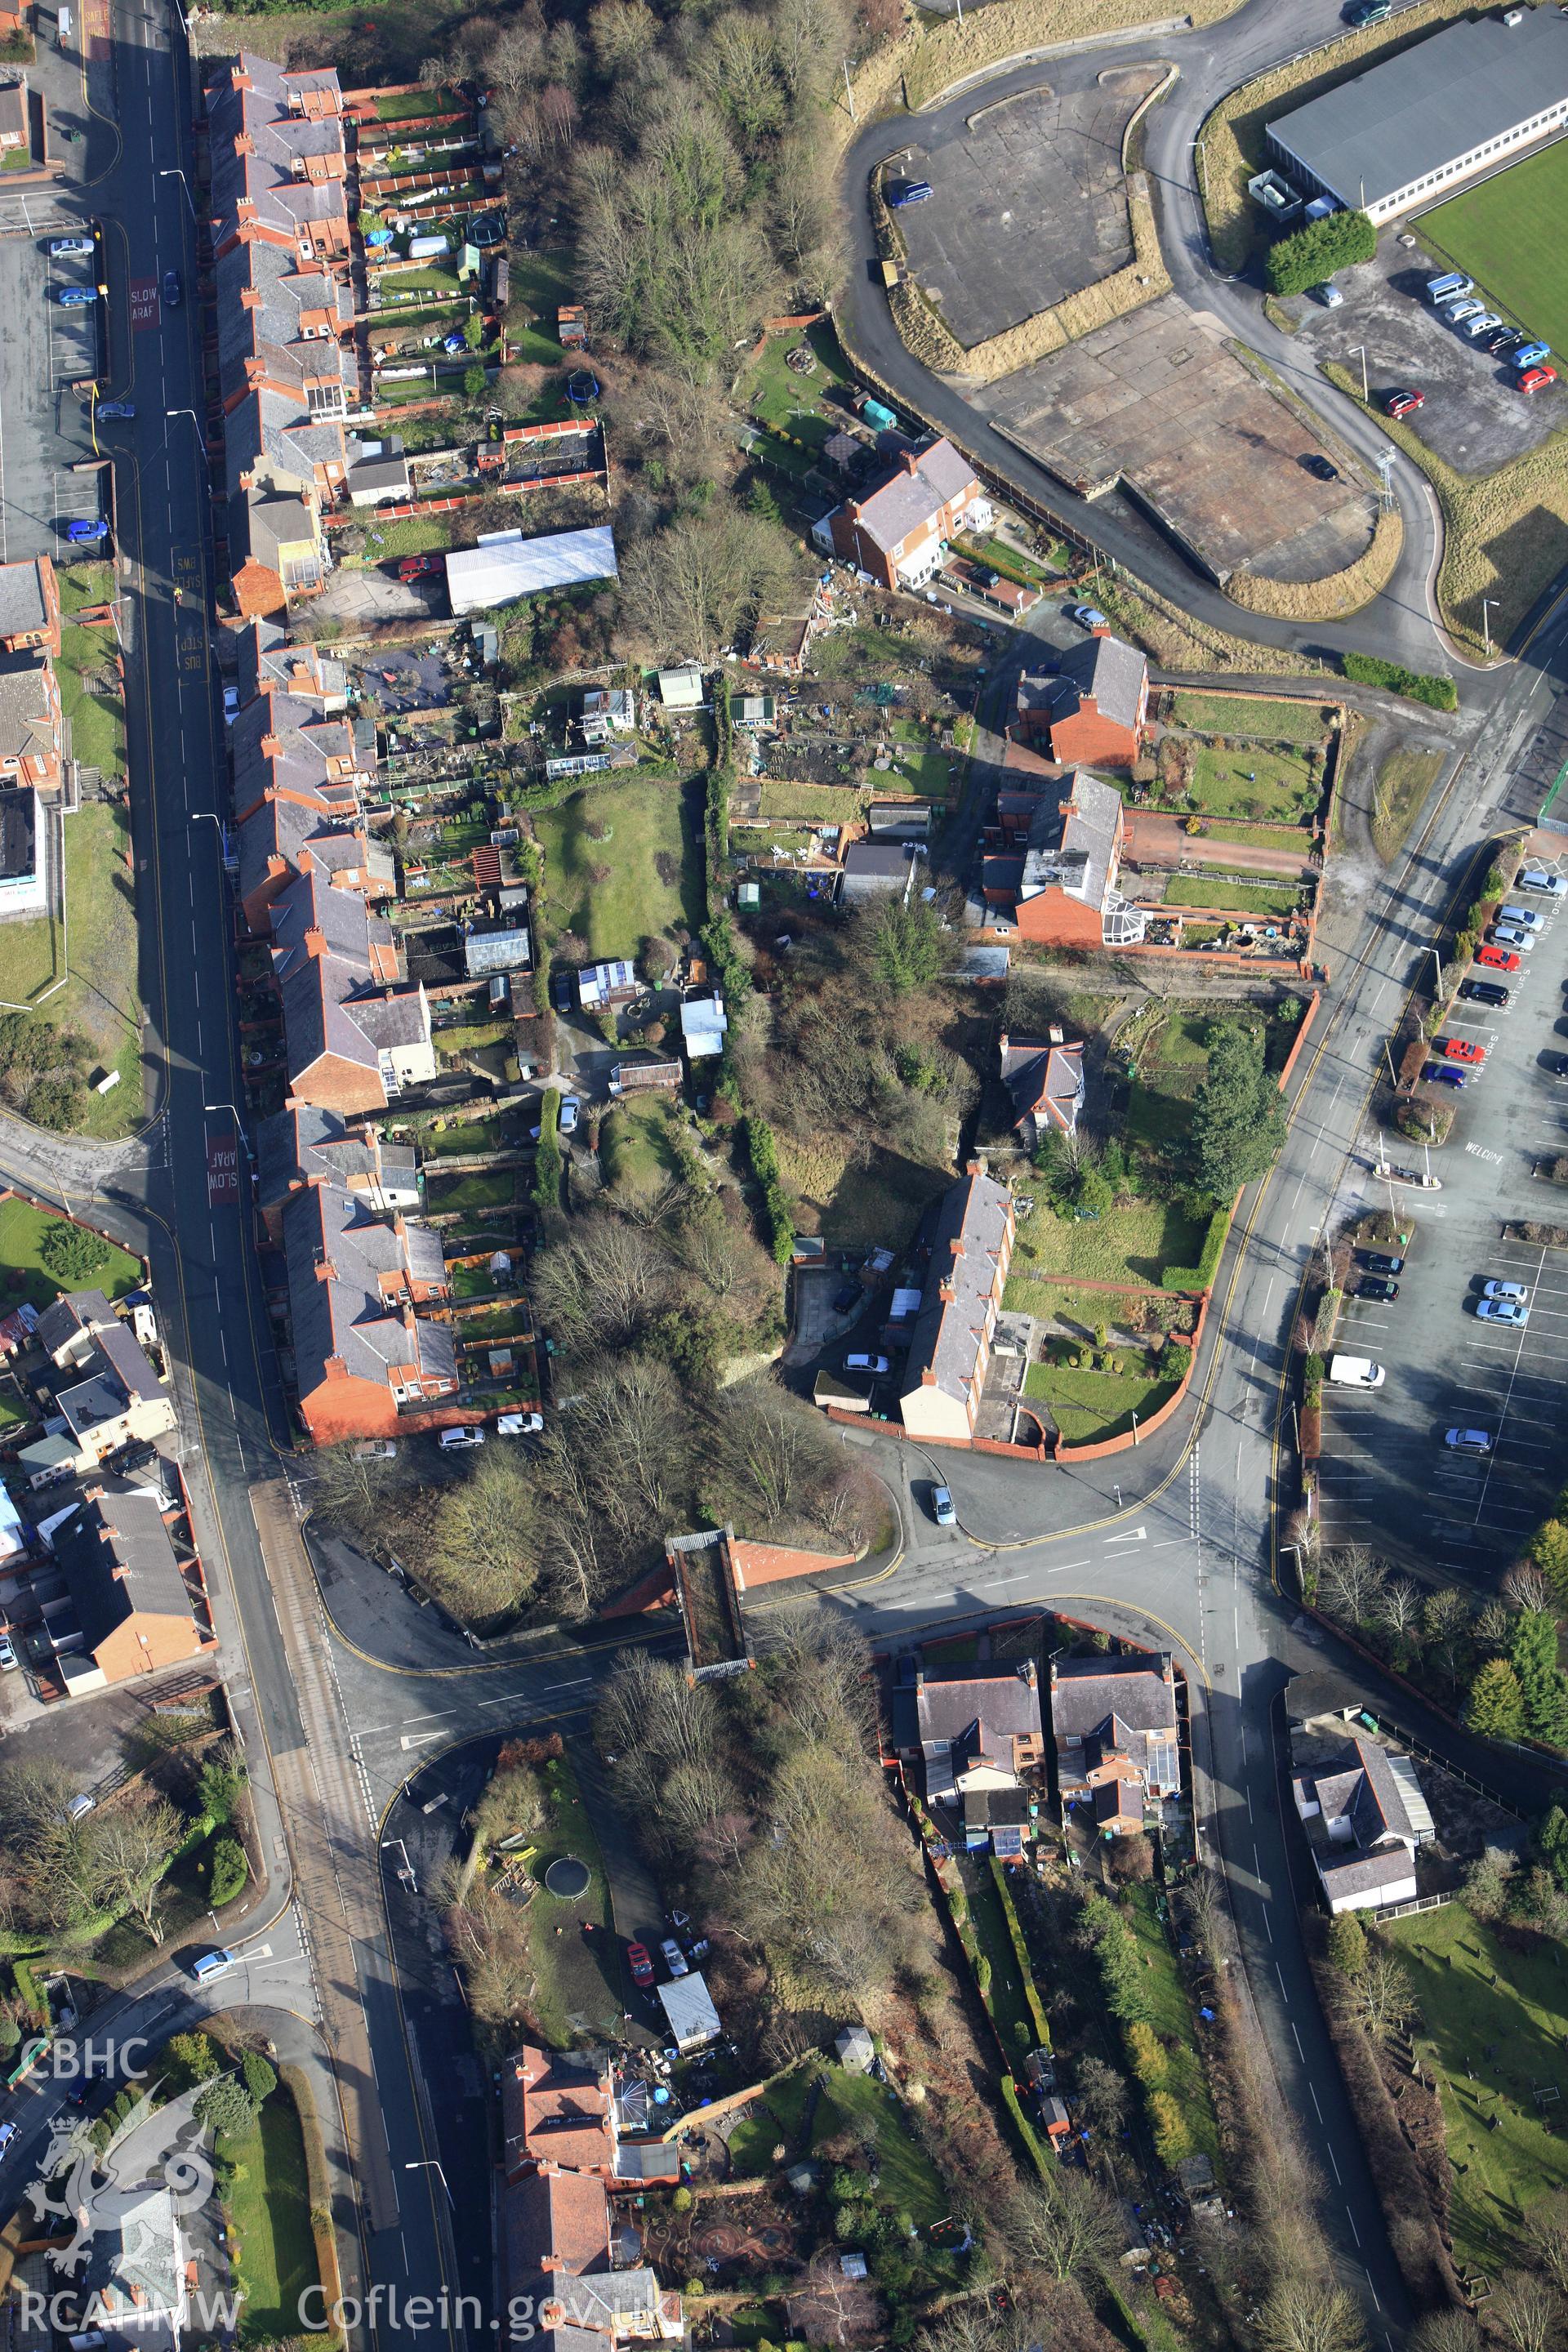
[1416, 127]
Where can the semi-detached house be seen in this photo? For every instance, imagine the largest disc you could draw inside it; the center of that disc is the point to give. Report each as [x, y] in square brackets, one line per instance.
[355, 1033]
[1051, 866]
[897, 532]
[363, 1354]
[950, 1347]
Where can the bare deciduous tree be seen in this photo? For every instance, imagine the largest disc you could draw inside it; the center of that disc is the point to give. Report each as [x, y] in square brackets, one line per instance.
[1400, 1607]
[1352, 1584]
[1380, 1998]
[1525, 1587]
[1310, 2315]
[124, 1851]
[488, 1545]
[1548, 2233]
[1526, 2312]
[1064, 2224]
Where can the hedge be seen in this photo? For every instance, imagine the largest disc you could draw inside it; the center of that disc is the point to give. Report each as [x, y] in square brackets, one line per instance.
[1200, 1276]
[762, 1152]
[547, 1158]
[1417, 686]
[1028, 2134]
[1315, 252]
[317, 2186]
[1021, 1954]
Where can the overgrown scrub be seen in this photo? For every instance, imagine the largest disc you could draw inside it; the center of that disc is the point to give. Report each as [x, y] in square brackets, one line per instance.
[757, 1137]
[1370, 669]
[1314, 253]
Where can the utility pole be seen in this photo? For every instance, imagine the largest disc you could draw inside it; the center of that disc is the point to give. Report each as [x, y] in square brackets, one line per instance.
[1487, 605]
[849, 91]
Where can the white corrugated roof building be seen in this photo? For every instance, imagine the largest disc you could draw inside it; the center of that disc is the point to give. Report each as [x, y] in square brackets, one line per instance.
[506, 566]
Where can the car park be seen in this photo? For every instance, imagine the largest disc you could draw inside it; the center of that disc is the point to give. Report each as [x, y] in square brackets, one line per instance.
[863, 1364]
[1378, 1286]
[59, 247]
[674, 1958]
[640, 1965]
[1536, 877]
[1497, 959]
[1405, 402]
[1379, 1262]
[941, 1508]
[1444, 1074]
[1513, 935]
[913, 191]
[1502, 1310]
[1467, 1441]
[75, 297]
[1462, 1049]
[173, 289]
[1484, 991]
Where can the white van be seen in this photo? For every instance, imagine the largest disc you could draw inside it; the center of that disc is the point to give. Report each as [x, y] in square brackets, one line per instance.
[1355, 1372]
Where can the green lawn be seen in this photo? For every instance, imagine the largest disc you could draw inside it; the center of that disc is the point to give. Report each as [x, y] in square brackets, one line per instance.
[411, 104]
[1131, 1245]
[459, 1142]
[997, 556]
[1089, 1406]
[578, 1986]
[411, 535]
[1506, 234]
[1258, 783]
[920, 768]
[100, 997]
[652, 864]
[22, 1269]
[470, 1037]
[635, 1145]
[792, 403]
[1268, 722]
[823, 804]
[269, 2203]
[97, 719]
[1405, 778]
[1295, 837]
[1170, 2015]
[779, 2116]
[1247, 897]
[1476, 1997]
[1008, 2004]
[910, 2182]
[481, 1188]
[539, 284]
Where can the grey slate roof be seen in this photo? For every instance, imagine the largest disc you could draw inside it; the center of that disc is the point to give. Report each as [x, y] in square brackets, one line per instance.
[1072, 840]
[1438, 100]
[66, 1319]
[117, 1557]
[1004, 1702]
[906, 500]
[874, 869]
[343, 1312]
[947, 1334]
[294, 1145]
[1087, 1692]
[1036, 1072]
[27, 723]
[1113, 672]
[1391, 1866]
[22, 606]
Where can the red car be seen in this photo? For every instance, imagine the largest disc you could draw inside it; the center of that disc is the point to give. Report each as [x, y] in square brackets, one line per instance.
[1400, 403]
[1500, 958]
[414, 567]
[1535, 379]
[1459, 1049]
[640, 1965]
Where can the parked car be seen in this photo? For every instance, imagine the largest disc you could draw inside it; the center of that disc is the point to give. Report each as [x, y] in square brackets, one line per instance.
[416, 567]
[1497, 959]
[87, 527]
[173, 289]
[59, 247]
[1379, 1262]
[1462, 1049]
[1443, 288]
[1473, 329]
[1444, 1074]
[376, 1449]
[1556, 1063]
[116, 408]
[1530, 355]
[675, 1959]
[1536, 877]
[1467, 1441]
[911, 192]
[210, 1964]
[1085, 617]
[1513, 935]
[1467, 306]
[452, 1439]
[7, 1654]
[8, 2134]
[1499, 341]
[1536, 379]
[848, 1295]
[1369, 12]
[864, 1363]
[941, 1508]
[1524, 918]
[1324, 470]
[570, 1108]
[1518, 1291]
[1484, 991]
[1377, 1285]
[1328, 294]
[1503, 1310]
[75, 297]
[230, 705]
[640, 1965]
[1403, 402]
[519, 1424]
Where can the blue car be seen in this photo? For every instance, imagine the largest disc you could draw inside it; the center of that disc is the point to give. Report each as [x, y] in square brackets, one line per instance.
[1443, 1073]
[454, 343]
[62, 245]
[75, 297]
[1530, 355]
[913, 192]
[95, 528]
[1503, 1310]
[117, 408]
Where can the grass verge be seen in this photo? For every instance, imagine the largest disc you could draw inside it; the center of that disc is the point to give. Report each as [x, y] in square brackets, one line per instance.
[269, 2202]
[1088, 1407]
[1403, 780]
[22, 1267]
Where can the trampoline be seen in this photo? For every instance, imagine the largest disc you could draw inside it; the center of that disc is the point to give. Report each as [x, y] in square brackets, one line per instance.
[566, 1877]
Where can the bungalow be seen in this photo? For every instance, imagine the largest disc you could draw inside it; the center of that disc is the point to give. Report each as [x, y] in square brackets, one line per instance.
[1365, 1816]
[703, 1022]
[30, 603]
[1043, 1075]
[950, 1345]
[1115, 1724]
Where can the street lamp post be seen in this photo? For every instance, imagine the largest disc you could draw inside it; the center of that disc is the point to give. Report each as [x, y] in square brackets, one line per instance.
[238, 1124]
[1438, 962]
[172, 172]
[1487, 605]
[1358, 351]
[1199, 146]
[432, 2164]
[1135, 1428]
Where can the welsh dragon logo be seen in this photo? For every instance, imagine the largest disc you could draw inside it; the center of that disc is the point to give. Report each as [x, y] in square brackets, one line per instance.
[76, 2180]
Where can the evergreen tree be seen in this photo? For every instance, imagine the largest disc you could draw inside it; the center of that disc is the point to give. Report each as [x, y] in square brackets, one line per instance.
[1239, 1116]
[1496, 1703]
[1544, 1686]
